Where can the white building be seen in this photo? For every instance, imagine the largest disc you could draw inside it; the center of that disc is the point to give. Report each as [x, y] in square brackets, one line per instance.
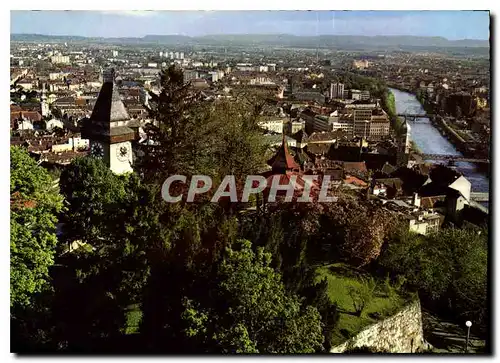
[273, 124]
[74, 143]
[60, 59]
[344, 125]
[336, 90]
[23, 125]
[356, 94]
[53, 123]
[424, 222]
[296, 126]
[463, 186]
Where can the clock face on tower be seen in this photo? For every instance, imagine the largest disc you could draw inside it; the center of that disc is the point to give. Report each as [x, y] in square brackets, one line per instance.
[97, 150]
[122, 153]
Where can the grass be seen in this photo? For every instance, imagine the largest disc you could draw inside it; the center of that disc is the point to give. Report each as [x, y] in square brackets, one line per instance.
[341, 278]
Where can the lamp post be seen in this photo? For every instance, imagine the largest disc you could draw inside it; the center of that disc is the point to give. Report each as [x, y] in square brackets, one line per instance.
[468, 324]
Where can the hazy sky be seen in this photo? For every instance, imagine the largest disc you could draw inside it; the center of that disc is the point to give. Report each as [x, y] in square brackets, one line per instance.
[448, 24]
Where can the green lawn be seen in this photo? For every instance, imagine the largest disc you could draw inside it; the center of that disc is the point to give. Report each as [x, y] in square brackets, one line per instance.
[340, 279]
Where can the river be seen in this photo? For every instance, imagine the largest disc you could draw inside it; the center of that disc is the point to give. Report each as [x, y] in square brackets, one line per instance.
[430, 141]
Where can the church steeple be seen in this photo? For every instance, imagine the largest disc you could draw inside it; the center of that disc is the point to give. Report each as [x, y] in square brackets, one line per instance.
[44, 107]
[282, 161]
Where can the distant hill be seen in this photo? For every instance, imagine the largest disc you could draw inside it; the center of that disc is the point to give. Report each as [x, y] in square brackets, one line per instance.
[321, 41]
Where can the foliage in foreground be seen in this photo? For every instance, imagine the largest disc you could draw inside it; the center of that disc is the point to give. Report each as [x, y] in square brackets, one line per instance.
[34, 207]
[251, 311]
[448, 268]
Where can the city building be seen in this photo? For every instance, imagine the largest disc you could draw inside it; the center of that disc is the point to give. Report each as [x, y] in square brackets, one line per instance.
[296, 126]
[336, 90]
[356, 94]
[379, 128]
[273, 124]
[190, 75]
[362, 128]
[44, 106]
[60, 59]
[362, 114]
[344, 124]
[361, 64]
[424, 222]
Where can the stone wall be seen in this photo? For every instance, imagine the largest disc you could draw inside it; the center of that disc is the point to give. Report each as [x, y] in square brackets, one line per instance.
[400, 333]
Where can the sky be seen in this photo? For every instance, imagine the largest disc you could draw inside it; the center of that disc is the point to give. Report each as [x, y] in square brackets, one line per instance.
[452, 25]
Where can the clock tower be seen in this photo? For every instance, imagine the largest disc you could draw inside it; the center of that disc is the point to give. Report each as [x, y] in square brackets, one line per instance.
[108, 128]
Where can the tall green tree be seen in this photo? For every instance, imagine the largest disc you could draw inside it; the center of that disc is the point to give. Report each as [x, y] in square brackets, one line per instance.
[35, 203]
[176, 134]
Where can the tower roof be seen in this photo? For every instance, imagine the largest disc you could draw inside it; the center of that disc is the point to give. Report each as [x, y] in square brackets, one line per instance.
[109, 106]
[108, 109]
[282, 160]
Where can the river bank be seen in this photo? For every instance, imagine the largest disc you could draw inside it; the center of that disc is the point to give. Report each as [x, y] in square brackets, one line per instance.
[429, 140]
[439, 123]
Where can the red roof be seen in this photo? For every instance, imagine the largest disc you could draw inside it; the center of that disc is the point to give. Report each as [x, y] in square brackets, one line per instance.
[355, 181]
[285, 179]
[282, 160]
[29, 115]
[355, 165]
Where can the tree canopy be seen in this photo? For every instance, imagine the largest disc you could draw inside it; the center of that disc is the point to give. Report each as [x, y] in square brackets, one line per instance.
[35, 203]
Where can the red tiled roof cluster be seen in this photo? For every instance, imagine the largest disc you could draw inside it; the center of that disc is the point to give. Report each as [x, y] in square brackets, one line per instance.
[29, 115]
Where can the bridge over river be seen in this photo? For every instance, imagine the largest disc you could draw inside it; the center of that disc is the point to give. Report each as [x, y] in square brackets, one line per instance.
[413, 116]
[480, 197]
[453, 158]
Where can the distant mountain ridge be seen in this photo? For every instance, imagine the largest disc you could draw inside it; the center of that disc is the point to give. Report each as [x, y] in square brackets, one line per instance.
[320, 41]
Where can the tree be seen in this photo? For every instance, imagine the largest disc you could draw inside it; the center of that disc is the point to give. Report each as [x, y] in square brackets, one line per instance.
[358, 229]
[449, 269]
[251, 312]
[362, 295]
[191, 136]
[118, 219]
[94, 195]
[35, 204]
[177, 129]
[34, 207]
